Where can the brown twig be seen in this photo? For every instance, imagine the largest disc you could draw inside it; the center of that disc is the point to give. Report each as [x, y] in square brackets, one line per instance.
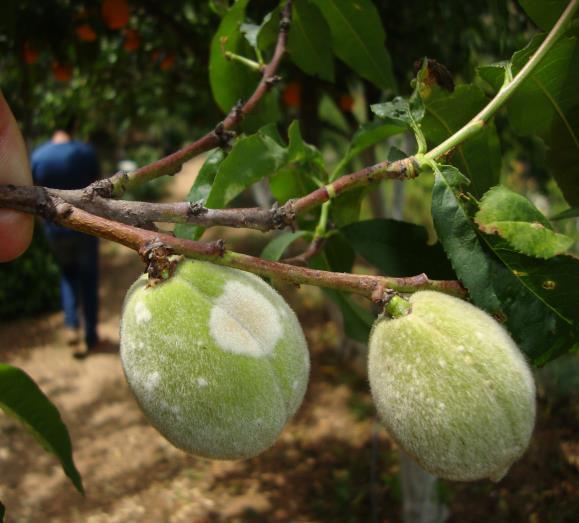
[117, 184]
[373, 287]
[142, 213]
[314, 247]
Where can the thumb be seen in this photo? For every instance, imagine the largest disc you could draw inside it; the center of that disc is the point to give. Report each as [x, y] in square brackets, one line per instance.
[15, 227]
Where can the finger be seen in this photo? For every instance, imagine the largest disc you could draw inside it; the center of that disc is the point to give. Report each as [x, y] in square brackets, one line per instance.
[15, 227]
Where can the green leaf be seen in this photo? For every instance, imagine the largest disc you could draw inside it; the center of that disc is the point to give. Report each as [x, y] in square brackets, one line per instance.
[517, 220]
[300, 151]
[231, 81]
[310, 42]
[565, 215]
[398, 248]
[278, 245]
[494, 74]
[21, 398]
[479, 157]
[292, 181]
[551, 91]
[371, 133]
[250, 32]
[251, 159]
[347, 207]
[368, 135]
[200, 190]
[305, 165]
[404, 111]
[268, 31]
[400, 111]
[357, 320]
[502, 287]
[544, 12]
[358, 39]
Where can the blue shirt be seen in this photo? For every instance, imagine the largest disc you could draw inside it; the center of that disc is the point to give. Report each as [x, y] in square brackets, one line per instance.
[69, 165]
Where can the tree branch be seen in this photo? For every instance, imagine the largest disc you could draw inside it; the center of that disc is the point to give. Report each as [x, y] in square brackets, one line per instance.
[116, 185]
[375, 288]
[141, 213]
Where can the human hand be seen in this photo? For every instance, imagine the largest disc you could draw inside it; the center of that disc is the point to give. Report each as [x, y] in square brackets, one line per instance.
[15, 227]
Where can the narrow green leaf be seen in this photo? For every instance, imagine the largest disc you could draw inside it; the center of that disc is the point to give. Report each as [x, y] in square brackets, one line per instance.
[398, 248]
[21, 398]
[278, 245]
[517, 220]
[231, 81]
[310, 41]
[551, 91]
[358, 39]
[544, 12]
[512, 287]
[478, 158]
[565, 215]
[200, 190]
[251, 159]
[371, 133]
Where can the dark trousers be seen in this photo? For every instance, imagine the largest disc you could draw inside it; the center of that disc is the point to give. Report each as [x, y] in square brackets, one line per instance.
[77, 256]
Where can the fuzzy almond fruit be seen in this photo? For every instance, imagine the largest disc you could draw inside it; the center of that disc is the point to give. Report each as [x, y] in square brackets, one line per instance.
[452, 388]
[215, 358]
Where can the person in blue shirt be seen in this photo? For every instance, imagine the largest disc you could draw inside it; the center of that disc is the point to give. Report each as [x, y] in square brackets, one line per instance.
[66, 163]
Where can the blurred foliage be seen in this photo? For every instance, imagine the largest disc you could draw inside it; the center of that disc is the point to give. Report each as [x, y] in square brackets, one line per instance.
[30, 284]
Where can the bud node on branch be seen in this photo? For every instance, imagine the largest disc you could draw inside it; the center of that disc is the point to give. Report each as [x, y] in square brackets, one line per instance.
[197, 208]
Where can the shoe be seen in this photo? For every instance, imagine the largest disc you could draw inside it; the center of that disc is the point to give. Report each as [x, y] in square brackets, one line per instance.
[81, 353]
[71, 336]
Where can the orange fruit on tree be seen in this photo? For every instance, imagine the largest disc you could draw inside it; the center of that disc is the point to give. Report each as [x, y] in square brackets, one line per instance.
[291, 95]
[346, 102]
[167, 62]
[29, 53]
[61, 73]
[85, 33]
[116, 13]
[132, 40]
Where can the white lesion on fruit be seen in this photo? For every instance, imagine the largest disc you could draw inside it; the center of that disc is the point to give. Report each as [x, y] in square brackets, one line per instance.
[142, 313]
[244, 321]
[152, 381]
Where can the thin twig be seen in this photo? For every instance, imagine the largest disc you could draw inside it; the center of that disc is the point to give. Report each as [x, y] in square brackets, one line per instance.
[315, 246]
[372, 287]
[141, 213]
[117, 184]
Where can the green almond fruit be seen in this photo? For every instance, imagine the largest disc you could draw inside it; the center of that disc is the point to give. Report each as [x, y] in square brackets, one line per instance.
[215, 358]
[452, 388]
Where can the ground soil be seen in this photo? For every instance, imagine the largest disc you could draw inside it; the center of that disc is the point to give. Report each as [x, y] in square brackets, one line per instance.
[333, 463]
